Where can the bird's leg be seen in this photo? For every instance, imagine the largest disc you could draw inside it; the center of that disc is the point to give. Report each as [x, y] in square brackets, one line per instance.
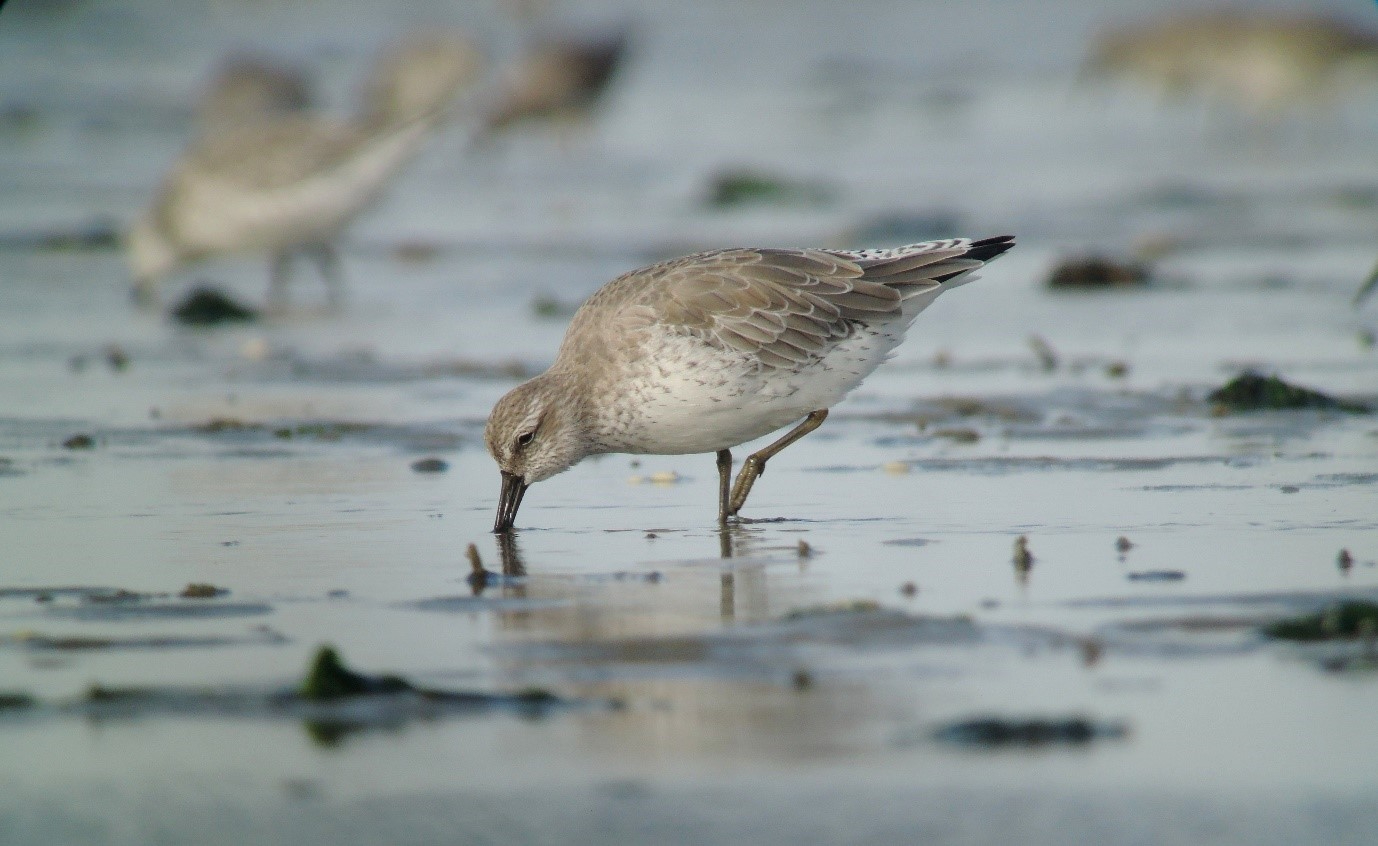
[327, 260]
[279, 269]
[755, 464]
[724, 483]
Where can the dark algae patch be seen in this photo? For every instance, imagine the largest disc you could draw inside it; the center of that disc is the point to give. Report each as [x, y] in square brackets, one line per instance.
[852, 606]
[1156, 576]
[1341, 621]
[15, 700]
[208, 307]
[1001, 732]
[331, 702]
[329, 679]
[1252, 391]
[200, 590]
[1091, 272]
[738, 188]
[322, 431]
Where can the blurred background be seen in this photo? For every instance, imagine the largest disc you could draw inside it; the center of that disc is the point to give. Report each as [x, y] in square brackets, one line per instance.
[1088, 126]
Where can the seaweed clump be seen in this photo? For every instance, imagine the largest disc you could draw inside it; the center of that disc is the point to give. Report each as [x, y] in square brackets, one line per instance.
[1341, 621]
[1097, 272]
[208, 307]
[739, 188]
[996, 732]
[14, 700]
[329, 679]
[852, 606]
[1252, 391]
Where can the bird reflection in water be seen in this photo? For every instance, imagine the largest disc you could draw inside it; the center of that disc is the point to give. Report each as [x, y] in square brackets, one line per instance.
[511, 581]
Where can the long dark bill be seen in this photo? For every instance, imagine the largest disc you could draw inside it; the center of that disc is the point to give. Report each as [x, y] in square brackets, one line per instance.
[509, 500]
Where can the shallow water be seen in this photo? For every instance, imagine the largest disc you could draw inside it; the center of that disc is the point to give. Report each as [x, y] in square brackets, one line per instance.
[761, 689]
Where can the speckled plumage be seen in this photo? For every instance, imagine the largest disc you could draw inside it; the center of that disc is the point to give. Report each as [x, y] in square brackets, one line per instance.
[705, 352]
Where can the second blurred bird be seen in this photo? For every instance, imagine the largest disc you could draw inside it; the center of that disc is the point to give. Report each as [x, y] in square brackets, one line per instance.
[266, 175]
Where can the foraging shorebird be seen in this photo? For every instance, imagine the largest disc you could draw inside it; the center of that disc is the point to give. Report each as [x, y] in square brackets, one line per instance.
[1262, 63]
[557, 79]
[703, 353]
[289, 183]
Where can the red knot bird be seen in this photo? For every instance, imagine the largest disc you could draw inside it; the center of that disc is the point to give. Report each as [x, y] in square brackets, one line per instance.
[288, 183]
[704, 353]
[1264, 63]
[558, 79]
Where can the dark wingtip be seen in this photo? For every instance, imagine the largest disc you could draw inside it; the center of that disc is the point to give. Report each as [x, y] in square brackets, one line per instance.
[988, 248]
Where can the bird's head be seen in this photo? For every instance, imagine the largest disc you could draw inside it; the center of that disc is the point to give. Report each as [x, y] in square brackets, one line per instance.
[533, 433]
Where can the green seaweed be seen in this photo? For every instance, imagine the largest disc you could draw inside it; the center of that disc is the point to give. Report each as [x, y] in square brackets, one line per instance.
[207, 307]
[1341, 621]
[102, 694]
[743, 188]
[851, 606]
[1252, 391]
[330, 430]
[547, 307]
[329, 679]
[225, 424]
[13, 700]
[997, 732]
[201, 590]
[535, 696]
[1097, 272]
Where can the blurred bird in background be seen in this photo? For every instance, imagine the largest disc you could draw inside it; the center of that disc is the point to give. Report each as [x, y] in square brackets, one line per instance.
[1260, 63]
[264, 175]
[559, 79]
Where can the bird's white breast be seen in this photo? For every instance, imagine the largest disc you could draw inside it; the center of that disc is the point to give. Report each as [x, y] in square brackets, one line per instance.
[684, 396]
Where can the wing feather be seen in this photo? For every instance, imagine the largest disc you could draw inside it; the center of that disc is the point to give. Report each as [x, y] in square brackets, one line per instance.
[787, 307]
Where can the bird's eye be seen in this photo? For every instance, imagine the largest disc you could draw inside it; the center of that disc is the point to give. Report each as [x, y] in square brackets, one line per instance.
[525, 438]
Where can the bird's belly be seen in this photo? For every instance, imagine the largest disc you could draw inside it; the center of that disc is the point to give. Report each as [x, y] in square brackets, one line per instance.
[707, 400]
[665, 429]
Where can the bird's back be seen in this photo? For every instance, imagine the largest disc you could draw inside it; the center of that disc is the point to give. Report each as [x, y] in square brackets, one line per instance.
[783, 306]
